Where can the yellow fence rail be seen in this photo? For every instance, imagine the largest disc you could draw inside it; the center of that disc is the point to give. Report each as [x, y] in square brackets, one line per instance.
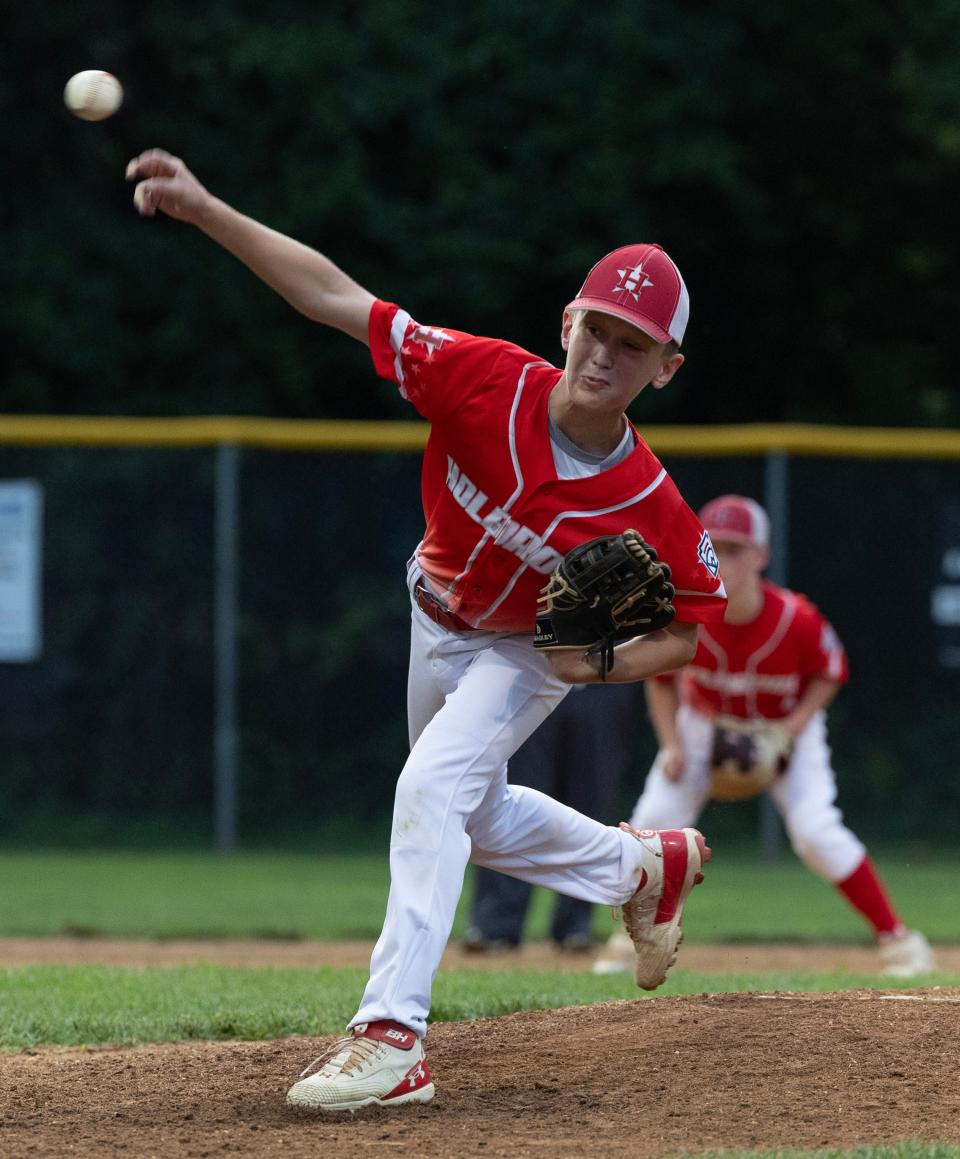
[324, 435]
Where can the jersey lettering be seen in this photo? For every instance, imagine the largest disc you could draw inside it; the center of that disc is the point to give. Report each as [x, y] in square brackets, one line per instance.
[499, 524]
[744, 683]
[520, 541]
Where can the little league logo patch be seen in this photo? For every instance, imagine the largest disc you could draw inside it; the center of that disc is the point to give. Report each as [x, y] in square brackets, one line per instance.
[707, 556]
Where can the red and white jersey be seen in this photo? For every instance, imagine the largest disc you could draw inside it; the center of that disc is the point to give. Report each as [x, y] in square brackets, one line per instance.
[498, 519]
[762, 668]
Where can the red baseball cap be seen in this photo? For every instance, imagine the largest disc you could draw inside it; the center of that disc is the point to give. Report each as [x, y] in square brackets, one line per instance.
[640, 284]
[736, 519]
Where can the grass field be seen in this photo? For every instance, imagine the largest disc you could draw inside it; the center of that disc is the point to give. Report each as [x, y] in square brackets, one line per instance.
[96, 1005]
[301, 896]
[159, 895]
[907, 1150]
[330, 898]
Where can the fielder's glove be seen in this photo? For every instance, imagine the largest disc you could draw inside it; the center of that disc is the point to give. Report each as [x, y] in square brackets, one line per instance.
[747, 757]
[605, 591]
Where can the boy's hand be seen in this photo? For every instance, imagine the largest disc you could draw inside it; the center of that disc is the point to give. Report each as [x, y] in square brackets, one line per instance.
[674, 761]
[165, 183]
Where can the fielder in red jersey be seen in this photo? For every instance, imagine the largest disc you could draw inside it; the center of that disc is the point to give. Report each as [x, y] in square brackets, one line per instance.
[765, 666]
[774, 657]
[525, 460]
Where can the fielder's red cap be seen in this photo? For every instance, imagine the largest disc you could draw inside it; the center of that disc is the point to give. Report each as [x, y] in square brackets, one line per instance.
[640, 284]
[736, 519]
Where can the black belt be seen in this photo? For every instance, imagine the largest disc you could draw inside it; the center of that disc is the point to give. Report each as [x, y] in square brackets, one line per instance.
[428, 603]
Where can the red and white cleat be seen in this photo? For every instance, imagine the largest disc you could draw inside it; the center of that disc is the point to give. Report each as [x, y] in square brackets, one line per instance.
[671, 865]
[381, 1064]
[905, 954]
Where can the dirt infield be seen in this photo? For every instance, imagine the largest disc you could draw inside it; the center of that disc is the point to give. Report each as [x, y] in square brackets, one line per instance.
[711, 959]
[643, 1078]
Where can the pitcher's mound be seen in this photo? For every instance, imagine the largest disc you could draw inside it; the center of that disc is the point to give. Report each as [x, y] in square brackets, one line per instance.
[653, 1077]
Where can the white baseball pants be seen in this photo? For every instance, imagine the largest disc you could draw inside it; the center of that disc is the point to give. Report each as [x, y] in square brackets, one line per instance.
[804, 796]
[473, 699]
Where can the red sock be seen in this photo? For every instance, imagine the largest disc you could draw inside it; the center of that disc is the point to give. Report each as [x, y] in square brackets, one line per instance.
[864, 890]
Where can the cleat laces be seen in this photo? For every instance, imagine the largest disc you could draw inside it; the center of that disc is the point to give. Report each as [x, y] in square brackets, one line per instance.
[357, 1052]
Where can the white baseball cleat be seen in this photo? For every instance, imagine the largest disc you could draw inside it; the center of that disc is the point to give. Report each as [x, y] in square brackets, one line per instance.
[617, 956]
[905, 954]
[670, 868]
[381, 1064]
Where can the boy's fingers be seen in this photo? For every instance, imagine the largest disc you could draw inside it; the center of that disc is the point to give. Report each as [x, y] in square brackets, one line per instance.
[153, 163]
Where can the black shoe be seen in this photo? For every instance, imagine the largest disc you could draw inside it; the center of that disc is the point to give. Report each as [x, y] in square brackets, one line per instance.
[476, 942]
[582, 943]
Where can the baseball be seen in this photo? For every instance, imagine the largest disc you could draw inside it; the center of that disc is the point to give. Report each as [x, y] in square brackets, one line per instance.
[93, 95]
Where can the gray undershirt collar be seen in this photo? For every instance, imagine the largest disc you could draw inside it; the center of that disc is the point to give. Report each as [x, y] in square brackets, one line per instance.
[623, 448]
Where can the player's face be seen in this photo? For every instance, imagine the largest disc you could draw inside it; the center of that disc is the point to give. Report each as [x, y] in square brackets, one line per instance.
[740, 563]
[609, 361]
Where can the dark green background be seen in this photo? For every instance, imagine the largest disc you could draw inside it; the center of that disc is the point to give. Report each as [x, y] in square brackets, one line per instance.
[800, 162]
[109, 736]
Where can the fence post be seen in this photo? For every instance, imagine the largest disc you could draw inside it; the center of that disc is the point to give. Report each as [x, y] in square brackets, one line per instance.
[226, 563]
[776, 499]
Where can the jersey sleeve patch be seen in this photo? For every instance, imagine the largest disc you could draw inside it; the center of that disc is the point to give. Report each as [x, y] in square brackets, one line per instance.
[434, 367]
[707, 555]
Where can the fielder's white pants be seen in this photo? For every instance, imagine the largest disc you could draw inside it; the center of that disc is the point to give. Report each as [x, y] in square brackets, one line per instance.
[804, 796]
[473, 699]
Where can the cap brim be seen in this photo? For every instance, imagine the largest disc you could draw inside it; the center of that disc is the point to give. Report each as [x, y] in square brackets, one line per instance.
[603, 306]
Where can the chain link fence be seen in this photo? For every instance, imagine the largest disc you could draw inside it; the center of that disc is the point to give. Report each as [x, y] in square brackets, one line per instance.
[224, 639]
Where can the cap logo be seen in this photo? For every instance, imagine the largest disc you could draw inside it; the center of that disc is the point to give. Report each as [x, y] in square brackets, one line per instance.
[632, 281]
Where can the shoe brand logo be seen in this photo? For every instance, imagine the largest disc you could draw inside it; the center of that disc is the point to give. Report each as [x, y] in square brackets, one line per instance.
[416, 1075]
[397, 1035]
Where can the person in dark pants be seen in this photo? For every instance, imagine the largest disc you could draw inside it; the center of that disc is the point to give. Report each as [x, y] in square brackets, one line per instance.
[578, 756]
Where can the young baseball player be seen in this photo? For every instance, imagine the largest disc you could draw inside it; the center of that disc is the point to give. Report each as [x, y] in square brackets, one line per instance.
[579, 755]
[524, 462]
[774, 657]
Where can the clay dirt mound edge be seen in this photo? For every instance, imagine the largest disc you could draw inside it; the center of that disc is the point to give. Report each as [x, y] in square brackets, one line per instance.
[654, 1077]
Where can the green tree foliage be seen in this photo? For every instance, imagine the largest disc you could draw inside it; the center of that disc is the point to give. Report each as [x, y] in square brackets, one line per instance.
[799, 161]
[470, 161]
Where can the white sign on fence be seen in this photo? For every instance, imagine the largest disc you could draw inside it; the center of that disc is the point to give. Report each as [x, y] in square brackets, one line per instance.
[21, 523]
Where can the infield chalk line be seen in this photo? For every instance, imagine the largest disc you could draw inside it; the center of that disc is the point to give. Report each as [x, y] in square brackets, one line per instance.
[859, 997]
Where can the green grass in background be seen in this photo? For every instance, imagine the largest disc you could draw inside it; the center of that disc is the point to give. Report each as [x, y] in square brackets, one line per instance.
[909, 1149]
[167, 895]
[95, 1005]
[334, 897]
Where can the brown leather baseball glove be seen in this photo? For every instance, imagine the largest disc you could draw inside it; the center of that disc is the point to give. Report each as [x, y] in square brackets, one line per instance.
[605, 591]
[747, 757]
